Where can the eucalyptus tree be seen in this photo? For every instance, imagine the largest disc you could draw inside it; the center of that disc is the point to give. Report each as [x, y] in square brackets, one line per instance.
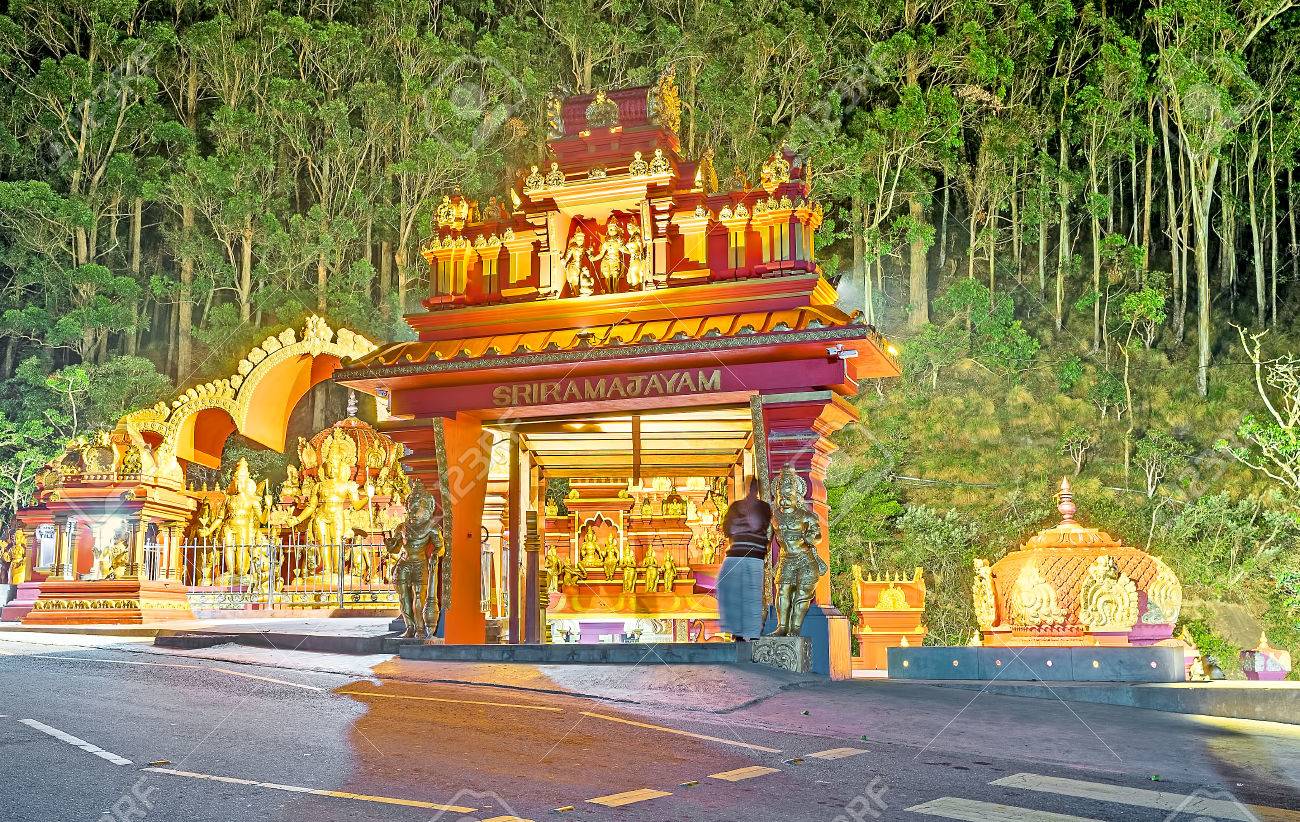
[1203, 69]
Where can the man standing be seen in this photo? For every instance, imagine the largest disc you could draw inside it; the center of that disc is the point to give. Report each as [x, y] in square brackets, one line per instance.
[740, 582]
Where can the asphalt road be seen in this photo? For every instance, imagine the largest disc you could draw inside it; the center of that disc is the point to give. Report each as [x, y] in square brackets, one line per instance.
[101, 734]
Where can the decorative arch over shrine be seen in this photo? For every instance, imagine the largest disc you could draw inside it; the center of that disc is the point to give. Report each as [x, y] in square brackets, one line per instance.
[256, 400]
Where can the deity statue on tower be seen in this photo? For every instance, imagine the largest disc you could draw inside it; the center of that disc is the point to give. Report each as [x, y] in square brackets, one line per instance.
[577, 275]
[610, 257]
[798, 533]
[638, 260]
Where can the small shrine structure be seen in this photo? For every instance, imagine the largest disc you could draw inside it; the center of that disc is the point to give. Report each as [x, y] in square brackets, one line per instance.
[1074, 585]
[890, 613]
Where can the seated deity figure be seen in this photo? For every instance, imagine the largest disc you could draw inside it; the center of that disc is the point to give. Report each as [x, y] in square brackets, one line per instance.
[798, 533]
[591, 555]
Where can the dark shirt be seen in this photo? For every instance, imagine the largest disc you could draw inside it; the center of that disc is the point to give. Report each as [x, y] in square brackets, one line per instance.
[746, 525]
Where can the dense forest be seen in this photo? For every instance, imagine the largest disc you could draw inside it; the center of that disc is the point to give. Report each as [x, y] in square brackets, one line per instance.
[1076, 219]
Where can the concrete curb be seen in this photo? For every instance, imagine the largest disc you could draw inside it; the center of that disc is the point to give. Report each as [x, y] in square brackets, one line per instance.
[319, 643]
[672, 653]
[1267, 702]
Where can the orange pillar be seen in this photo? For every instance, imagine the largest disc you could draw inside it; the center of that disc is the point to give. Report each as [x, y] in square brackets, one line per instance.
[465, 453]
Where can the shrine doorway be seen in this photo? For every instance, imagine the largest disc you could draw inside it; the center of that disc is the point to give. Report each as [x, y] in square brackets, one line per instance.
[619, 515]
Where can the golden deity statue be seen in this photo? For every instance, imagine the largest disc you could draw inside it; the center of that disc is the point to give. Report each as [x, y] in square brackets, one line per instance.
[670, 573]
[590, 550]
[335, 498]
[571, 574]
[241, 519]
[798, 533]
[577, 275]
[610, 257]
[610, 563]
[651, 566]
[110, 560]
[629, 568]
[552, 566]
[16, 557]
[638, 260]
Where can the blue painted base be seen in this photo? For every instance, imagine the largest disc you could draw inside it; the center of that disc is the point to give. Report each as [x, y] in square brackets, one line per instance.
[1080, 664]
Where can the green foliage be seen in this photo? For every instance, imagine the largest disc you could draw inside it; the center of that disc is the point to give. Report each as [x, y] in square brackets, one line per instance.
[1215, 648]
[1068, 373]
[943, 543]
[1160, 455]
[997, 338]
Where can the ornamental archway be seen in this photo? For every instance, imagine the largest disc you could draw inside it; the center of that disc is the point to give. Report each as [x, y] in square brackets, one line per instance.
[255, 401]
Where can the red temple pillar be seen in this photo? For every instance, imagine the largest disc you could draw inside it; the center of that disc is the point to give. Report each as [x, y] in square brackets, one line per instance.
[465, 451]
[797, 429]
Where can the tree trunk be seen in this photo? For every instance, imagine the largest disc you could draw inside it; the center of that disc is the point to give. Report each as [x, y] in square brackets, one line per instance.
[919, 292]
[1042, 230]
[131, 336]
[1062, 230]
[385, 277]
[322, 281]
[246, 272]
[943, 226]
[1096, 262]
[185, 302]
[1256, 236]
[1172, 219]
[1147, 192]
[1291, 224]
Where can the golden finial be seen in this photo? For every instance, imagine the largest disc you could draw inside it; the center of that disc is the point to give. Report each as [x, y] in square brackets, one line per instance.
[1065, 502]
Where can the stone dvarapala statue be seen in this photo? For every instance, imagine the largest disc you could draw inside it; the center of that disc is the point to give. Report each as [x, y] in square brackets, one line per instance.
[419, 546]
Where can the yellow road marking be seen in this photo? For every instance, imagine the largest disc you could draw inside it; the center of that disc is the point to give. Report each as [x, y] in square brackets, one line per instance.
[680, 732]
[178, 665]
[836, 753]
[456, 701]
[1267, 814]
[618, 800]
[1191, 805]
[385, 800]
[970, 810]
[743, 773]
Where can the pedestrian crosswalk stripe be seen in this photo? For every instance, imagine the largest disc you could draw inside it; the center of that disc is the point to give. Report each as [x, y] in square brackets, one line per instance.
[618, 800]
[506, 819]
[385, 800]
[743, 773]
[1191, 805]
[836, 753]
[75, 742]
[970, 810]
[680, 732]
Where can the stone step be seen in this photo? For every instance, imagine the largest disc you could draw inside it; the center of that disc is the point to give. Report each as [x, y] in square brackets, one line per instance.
[610, 653]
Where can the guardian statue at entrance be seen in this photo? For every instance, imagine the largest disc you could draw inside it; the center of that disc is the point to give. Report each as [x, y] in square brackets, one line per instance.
[417, 577]
[798, 533]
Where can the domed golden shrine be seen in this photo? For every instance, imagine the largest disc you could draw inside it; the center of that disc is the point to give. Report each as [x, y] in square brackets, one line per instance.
[1074, 585]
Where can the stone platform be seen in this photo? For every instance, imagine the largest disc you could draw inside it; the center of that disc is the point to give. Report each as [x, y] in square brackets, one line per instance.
[1067, 664]
[789, 653]
[630, 653]
[108, 602]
